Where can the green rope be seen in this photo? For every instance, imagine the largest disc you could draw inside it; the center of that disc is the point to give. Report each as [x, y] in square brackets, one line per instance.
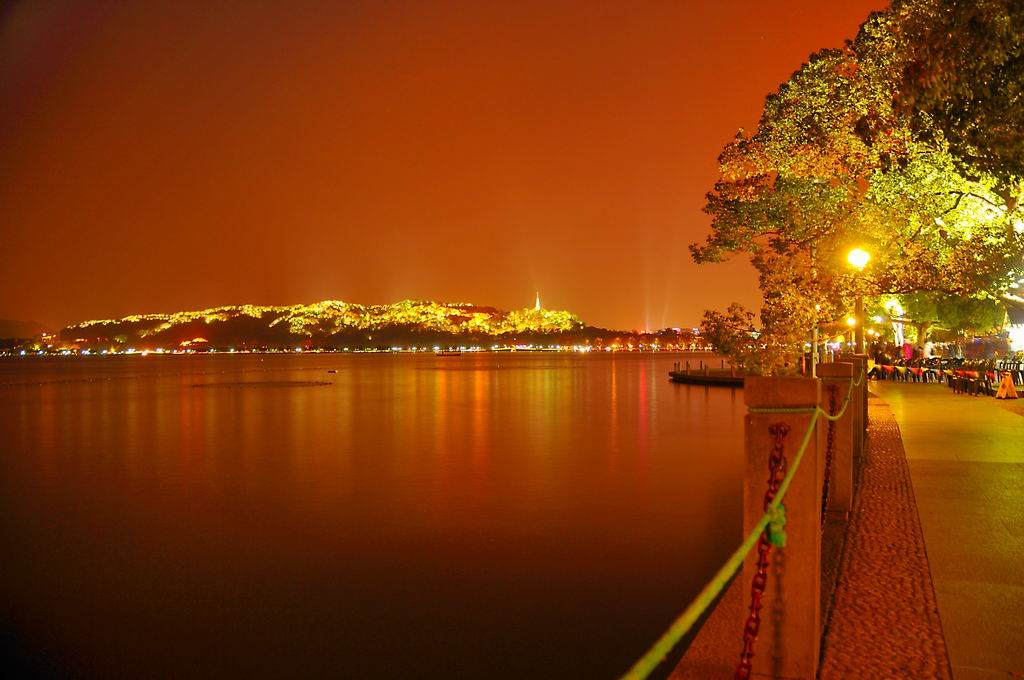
[846, 401]
[657, 653]
[774, 515]
[788, 479]
[813, 409]
[773, 521]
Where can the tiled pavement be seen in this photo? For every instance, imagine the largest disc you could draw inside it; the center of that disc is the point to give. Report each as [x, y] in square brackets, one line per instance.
[966, 458]
[883, 619]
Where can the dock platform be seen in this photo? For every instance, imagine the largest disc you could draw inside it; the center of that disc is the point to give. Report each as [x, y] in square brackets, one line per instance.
[704, 375]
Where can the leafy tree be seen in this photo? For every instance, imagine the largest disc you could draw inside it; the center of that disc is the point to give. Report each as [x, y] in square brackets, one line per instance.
[833, 165]
[735, 334]
[961, 70]
[955, 313]
[920, 310]
[966, 315]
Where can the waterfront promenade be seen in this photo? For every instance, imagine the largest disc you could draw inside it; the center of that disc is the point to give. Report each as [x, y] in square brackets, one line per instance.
[966, 459]
[927, 583]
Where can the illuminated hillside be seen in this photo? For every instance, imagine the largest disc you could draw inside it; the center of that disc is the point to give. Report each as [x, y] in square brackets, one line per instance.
[324, 322]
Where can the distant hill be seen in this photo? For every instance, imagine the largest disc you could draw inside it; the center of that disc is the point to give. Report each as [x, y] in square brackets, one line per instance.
[10, 328]
[330, 323]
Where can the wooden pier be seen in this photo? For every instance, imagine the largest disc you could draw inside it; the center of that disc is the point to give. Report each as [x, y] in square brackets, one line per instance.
[705, 375]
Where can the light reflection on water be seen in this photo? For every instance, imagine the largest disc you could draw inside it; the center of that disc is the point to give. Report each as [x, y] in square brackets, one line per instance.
[485, 515]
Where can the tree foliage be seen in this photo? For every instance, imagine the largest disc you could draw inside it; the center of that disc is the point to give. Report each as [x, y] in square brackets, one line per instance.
[961, 70]
[958, 314]
[735, 334]
[836, 163]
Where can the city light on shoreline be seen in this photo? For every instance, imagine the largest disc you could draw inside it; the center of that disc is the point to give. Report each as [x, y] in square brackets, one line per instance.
[469, 349]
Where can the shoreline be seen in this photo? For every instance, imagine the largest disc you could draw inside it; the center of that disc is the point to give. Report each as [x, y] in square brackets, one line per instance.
[296, 352]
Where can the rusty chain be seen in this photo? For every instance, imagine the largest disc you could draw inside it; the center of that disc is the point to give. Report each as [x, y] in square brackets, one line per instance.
[832, 391]
[776, 472]
[767, 533]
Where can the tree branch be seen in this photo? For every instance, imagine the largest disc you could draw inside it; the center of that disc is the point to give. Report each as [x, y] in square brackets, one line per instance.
[959, 197]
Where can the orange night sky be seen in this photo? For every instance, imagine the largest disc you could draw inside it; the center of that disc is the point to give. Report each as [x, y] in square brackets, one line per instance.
[159, 156]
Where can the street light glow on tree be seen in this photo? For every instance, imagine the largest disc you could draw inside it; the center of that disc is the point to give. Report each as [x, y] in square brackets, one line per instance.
[858, 258]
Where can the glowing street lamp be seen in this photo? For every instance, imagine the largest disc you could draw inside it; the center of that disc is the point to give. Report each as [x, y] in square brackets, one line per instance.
[858, 259]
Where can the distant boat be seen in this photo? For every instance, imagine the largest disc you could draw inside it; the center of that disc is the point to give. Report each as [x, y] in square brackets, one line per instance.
[447, 353]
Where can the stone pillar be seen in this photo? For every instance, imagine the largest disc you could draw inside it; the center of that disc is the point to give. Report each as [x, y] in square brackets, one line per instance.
[859, 401]
[836, 380]
[789, 638]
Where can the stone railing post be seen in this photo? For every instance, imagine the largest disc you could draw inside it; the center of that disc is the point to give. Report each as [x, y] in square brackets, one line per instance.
[789, 639]
[836, 382]
[860, 401]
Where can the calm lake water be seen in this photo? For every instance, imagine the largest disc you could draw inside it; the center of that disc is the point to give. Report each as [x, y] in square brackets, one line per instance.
[488, 515]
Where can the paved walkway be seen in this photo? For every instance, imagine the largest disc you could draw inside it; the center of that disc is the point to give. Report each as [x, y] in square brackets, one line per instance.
[966, 458]
[883, 619]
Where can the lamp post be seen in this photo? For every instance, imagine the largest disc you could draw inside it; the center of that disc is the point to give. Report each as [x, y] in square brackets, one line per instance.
[859, 259]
